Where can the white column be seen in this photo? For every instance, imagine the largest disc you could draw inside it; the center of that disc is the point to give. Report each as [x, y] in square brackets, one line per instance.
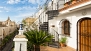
[20, 43]
[21, 32]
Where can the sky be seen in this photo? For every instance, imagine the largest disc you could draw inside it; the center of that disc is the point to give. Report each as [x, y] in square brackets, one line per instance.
[18, 9]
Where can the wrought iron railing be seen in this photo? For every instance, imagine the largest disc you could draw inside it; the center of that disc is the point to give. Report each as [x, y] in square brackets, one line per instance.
[56, 36]
[60, 4]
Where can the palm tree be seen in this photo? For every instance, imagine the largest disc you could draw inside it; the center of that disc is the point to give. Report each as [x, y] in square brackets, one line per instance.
[38, 38]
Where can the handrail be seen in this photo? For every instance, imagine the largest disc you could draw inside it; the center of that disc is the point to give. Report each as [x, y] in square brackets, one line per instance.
[57, 37]
[60, 4]
[57, 33]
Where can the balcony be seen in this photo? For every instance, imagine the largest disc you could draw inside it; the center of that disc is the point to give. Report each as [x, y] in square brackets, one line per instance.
[69, 5]
[51, 10]
[52, 13]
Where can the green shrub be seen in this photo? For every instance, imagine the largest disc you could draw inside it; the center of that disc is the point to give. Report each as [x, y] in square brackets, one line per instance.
[63, 40]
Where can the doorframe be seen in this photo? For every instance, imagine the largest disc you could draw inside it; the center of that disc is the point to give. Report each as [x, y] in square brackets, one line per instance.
[78, 27]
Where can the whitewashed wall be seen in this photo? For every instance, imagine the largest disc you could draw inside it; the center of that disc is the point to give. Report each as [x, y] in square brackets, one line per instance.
[73, 18]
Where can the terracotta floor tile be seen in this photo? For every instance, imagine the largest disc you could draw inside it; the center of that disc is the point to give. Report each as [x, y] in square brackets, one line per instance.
[47, 48]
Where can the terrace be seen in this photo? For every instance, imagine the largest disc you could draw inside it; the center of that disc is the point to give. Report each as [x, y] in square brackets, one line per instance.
[47, 48]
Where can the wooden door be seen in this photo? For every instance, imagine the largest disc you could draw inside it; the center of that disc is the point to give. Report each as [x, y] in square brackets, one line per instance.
[84, 35]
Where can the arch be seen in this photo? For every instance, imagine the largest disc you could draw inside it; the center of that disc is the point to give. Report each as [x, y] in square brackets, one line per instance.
[82, 19]
[83, 34]
[62, 21]
[65, 26]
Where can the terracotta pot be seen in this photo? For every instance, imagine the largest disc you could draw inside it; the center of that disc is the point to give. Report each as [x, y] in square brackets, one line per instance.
[63, 44]
[73, 2]
[65, 5]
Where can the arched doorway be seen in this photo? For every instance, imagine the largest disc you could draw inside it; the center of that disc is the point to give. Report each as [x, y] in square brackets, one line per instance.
[84, 34]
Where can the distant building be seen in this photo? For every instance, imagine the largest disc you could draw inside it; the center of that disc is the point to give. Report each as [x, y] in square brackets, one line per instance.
[7, 27]
[8, 22]
[29, 21]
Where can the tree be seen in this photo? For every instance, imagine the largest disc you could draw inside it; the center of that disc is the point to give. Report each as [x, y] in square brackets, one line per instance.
[24, 22]
[38, 38]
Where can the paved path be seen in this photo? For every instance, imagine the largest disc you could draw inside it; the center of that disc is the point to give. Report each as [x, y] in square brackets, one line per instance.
[8, 46]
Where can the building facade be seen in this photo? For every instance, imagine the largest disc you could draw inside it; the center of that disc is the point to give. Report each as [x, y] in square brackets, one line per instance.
[7, 27]
[70, 18]
[28, 22]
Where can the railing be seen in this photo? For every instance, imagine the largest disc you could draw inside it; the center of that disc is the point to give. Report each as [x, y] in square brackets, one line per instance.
[60, 4]
[56, 36]
[49, 5]
[56, 33]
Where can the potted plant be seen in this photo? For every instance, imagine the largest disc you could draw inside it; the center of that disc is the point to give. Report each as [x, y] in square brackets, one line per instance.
[63, 41]
[67, 3]
[73, 1]
[45, 7]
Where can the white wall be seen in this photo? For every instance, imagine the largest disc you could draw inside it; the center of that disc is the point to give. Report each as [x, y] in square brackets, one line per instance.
[73, 18]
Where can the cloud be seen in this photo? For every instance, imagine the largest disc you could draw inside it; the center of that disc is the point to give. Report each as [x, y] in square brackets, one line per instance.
[0, 11]
[32, 1]
[24, 15]
[35, 1]
[27, 8]
[22, 9]
[1, 7]
[13, 1]
[38, 1]
[25, 11]
[4, 9]
[24, 1]
[7, 11]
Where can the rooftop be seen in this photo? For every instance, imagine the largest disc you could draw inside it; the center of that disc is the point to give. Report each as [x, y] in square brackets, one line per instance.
[73, 5]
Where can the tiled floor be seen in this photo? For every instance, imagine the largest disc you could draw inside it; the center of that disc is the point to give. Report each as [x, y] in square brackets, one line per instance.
[46, 48]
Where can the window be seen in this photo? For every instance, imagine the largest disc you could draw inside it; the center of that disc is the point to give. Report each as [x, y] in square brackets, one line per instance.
[66, 27]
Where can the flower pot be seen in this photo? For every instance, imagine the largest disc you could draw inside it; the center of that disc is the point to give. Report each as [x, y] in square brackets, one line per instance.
[65, 5]
[73, 2]
[63, 44]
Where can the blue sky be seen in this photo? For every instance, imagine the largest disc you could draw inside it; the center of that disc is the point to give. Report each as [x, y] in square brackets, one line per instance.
[18, 9]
